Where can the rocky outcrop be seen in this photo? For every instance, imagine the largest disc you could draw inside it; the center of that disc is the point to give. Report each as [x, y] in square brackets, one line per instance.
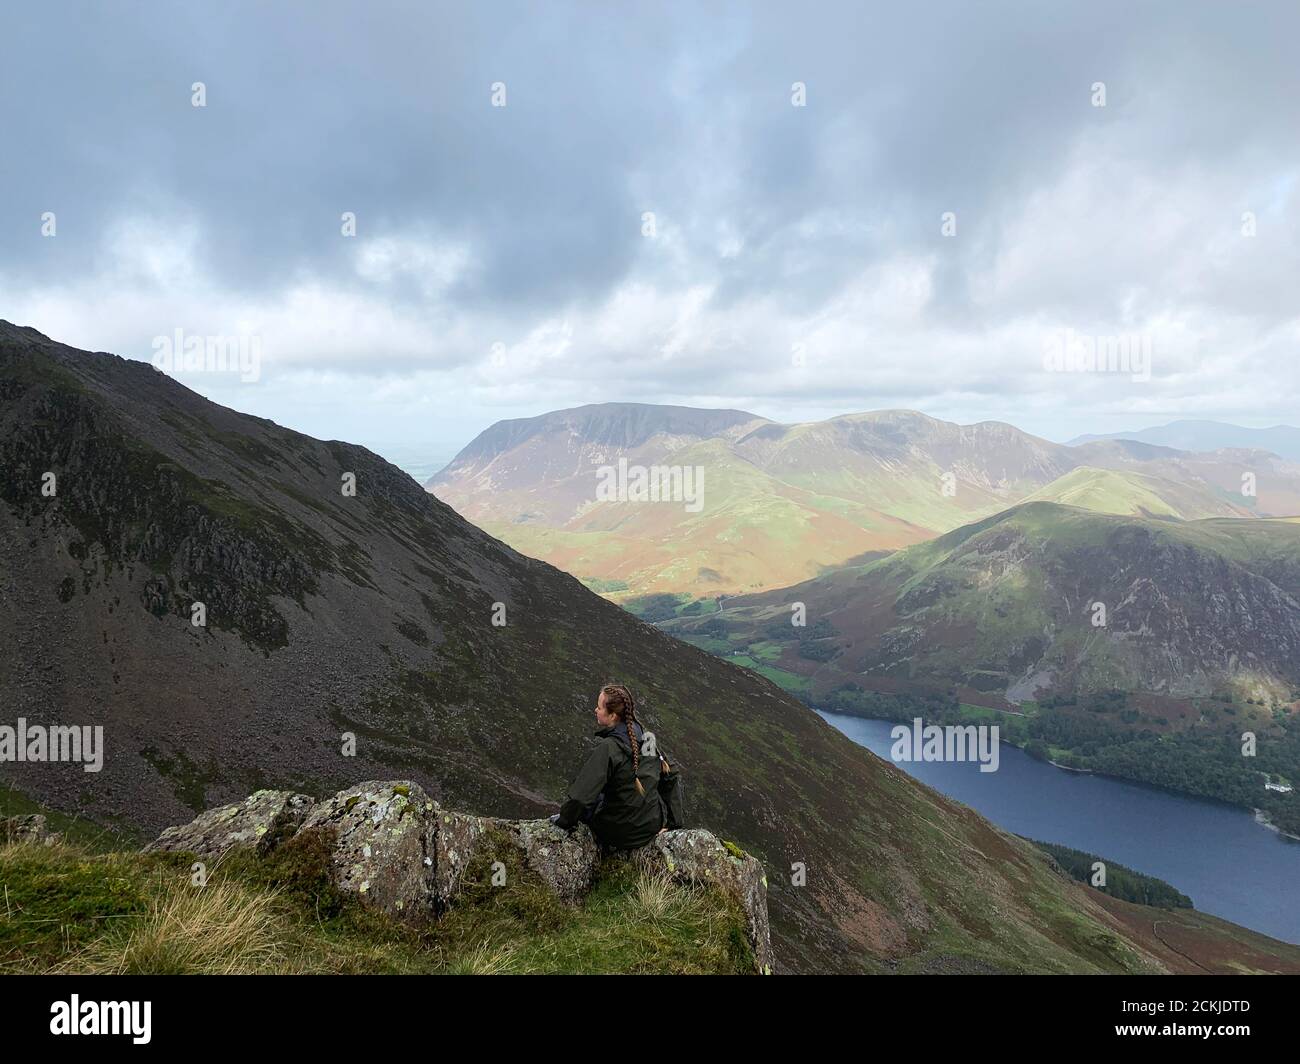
[459, 838]
[30, 827]
[260, 820]
[397, 850]
[567, 862]
[698, 857]
[383, 848]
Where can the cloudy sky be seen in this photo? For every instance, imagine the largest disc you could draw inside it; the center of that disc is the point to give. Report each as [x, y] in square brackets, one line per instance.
[799, 210]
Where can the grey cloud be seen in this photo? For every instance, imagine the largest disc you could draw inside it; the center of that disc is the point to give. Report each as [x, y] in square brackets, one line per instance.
[684, 110]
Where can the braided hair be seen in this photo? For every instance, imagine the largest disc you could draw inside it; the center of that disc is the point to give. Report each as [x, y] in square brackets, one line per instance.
[619, 701]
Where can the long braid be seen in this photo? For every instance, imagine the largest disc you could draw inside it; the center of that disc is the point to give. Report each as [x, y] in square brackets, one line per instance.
[634, 742]
[619, 697]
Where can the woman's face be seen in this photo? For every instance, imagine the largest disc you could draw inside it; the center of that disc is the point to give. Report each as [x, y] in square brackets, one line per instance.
[604, 718]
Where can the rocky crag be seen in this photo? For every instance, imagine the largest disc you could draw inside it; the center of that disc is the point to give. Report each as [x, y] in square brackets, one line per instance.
[397, 850]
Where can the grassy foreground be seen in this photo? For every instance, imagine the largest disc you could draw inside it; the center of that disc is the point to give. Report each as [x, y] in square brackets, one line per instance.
[65, 908]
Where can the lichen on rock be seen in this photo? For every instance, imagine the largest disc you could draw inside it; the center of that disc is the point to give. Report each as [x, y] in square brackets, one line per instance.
[566, 861]
[260, 820]
[458, 838]
[382, 850]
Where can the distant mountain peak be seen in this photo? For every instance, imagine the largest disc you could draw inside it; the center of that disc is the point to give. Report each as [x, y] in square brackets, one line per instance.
[624, 425]
[1202, 436]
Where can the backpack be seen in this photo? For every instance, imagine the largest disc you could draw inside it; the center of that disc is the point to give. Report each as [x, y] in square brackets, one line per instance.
[670, 793]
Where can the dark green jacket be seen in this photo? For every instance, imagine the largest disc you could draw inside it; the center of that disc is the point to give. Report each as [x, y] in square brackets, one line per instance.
[604, 793]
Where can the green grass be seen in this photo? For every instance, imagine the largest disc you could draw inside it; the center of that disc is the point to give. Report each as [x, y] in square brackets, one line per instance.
[64, 908]
[978, 713]
[789, 681]
[719, 647]
[1113, 492]
[604, 587]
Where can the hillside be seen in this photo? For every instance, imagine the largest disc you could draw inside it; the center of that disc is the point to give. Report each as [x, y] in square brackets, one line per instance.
[1006, 605]
[534, 483]
[783, 503]
[1111, 491]
[334, 619]
[1200, 641]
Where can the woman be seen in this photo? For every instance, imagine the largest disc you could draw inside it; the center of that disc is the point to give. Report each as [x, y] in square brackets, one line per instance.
[626, 791]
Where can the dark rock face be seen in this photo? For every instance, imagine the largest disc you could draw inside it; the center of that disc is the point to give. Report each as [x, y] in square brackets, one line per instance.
[396, 850]
[136, 506]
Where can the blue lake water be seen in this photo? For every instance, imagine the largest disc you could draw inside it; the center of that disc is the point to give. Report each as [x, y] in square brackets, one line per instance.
[1216, 854]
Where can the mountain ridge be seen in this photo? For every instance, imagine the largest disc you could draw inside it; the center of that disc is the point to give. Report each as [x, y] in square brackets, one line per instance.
[781, 503]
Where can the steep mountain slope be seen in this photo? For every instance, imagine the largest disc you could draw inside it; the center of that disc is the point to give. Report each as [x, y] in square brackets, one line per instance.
[333, 618]
[1007, 606]
[782, 503]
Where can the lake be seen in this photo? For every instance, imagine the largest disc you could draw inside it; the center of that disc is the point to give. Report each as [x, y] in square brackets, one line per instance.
[1216, 854]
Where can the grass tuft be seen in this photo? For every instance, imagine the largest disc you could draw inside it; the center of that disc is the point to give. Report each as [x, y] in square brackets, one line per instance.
[483, 959]
[219, 929]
